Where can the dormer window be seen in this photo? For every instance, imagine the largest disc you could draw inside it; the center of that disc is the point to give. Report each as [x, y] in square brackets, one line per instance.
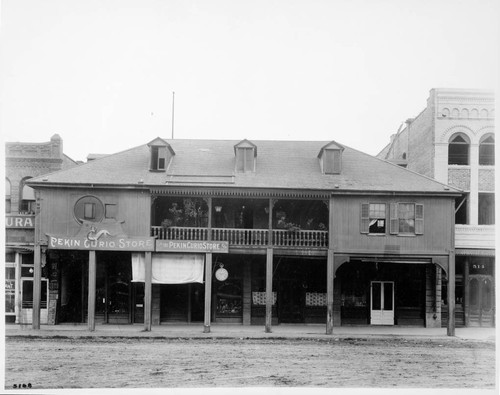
[161, 153]
[246, 154]
[330, 158]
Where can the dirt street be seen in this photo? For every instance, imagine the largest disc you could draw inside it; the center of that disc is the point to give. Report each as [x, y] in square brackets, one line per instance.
[345, 362]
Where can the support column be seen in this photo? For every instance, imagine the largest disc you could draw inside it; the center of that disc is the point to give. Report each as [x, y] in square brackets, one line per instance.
[208, 292]
[148, 294]
[37, 286]
[91, 295]
[451, 294]
[329, 292]
[330, 269]
[269, 289]
[466, 291]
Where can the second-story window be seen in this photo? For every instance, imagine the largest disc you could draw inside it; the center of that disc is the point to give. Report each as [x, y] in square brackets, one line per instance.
[487, 151]
[458, 151]
[373, 217]
[7, 196]
[407, 219]
[27, 200]
[486, 209]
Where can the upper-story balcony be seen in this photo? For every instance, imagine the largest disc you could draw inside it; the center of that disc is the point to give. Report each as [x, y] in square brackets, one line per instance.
[243, 223]
[475, 236]
[246, 237]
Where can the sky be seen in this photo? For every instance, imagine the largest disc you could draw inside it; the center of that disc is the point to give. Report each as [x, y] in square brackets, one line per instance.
[101, 74]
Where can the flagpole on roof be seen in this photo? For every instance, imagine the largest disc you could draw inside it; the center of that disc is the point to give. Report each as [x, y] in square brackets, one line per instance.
[173, 101]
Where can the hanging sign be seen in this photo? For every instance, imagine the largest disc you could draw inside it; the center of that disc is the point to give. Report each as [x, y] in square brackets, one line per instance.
[221, 247]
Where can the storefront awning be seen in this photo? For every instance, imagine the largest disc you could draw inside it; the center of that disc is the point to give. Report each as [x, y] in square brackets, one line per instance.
[25, 249]
[474, 252]
[170, 268]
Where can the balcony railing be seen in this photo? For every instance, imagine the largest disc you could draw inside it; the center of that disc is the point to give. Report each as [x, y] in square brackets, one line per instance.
[246, 237]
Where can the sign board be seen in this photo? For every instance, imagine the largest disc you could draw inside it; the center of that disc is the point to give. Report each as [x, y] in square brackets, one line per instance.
[20, 221]
[221, 247]
[109, 243]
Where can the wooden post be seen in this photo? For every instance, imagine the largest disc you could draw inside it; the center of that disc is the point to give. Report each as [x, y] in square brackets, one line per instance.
[330, 270]
[148, 290]
[37, 269]
[329, 292]
[269, 289]
[37, 286]
[92, 291]
[451, 294]
[451, 276]
[208, 291]
[465, 302]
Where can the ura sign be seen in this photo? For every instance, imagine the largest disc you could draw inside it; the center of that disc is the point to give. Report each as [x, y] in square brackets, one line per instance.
[20, 221]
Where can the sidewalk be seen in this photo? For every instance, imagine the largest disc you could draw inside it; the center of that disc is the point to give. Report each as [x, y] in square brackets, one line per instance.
[282, 331]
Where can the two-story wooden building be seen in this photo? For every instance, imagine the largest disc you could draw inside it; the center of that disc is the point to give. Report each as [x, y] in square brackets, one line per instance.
[262, 232]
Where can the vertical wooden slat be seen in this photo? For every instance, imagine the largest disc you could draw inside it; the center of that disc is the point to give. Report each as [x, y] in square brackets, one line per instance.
[269, 289]
[208, 291]
[148, 291]
[92, 291]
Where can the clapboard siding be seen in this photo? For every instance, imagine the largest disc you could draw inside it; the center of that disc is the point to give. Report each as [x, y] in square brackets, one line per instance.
[436, 239]
[133, 208]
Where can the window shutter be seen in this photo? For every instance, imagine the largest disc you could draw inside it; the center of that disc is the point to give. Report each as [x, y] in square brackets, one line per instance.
[419, 219]
[394, 225]
[365, 217]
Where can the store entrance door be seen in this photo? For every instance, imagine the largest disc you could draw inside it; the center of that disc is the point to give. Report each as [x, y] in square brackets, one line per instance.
[481, 300]
[382, 303]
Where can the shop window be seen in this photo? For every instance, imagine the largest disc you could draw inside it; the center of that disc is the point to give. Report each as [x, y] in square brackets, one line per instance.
[458, 151]
[461, 208]
[407, 219]
[373, 217]
[27, 291]
[486, 209]
[10, 289]
[487, 151]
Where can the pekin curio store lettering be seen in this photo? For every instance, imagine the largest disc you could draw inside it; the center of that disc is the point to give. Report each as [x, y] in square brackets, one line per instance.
[192, 246]
[107, 244]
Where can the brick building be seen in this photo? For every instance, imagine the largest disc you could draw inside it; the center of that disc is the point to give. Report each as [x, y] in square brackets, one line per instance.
[453, 141]
[25, 161]
[248, 232]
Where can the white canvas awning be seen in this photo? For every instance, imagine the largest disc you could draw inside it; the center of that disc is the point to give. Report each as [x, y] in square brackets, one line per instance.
[170, 268]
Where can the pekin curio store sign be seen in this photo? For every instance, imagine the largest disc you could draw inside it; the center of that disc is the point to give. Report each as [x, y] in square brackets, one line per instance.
[104, 244]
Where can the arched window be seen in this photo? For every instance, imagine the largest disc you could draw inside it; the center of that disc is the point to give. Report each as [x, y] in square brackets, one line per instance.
[27, 199]
[7, 195]
[487, 151]
[458, 150]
